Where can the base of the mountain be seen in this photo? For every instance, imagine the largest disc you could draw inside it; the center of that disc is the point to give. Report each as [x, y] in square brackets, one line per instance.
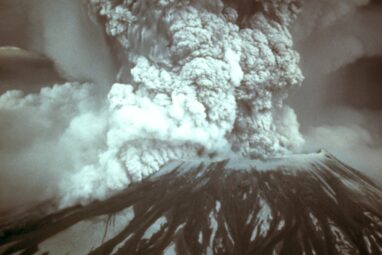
[306, 204]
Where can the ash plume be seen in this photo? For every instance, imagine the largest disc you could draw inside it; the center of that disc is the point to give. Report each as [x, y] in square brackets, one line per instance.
[196, 79]
[208, 86]
[173, 133]
[187, 79]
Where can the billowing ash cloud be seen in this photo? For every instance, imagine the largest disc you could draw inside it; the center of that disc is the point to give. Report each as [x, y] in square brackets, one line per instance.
[200, 84]
[45, 138]
[196, 50]
[198, 79]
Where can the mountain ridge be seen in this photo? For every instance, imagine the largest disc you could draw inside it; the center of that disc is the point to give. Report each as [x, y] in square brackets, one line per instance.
[316, 206]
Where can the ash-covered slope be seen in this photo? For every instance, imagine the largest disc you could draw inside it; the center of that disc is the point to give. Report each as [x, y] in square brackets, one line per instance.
[304, 204]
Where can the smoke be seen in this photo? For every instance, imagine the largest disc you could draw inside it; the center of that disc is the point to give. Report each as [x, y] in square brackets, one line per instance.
[44, 138]
[339, 43]
[206, 87]
[197, 79]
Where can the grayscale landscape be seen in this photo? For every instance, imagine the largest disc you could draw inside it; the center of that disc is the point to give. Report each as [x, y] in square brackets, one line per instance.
[190, 127]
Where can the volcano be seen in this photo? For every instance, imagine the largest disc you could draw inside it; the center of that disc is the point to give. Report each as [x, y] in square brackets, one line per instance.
[300, 204]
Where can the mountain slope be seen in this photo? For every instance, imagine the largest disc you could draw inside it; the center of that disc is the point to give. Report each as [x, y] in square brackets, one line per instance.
[303, 204]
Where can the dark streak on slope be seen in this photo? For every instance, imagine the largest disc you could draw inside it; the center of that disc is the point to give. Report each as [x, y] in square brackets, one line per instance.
[320, 208]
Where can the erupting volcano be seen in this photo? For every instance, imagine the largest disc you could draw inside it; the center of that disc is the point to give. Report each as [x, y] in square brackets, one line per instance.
[303, 204]
[172, 131]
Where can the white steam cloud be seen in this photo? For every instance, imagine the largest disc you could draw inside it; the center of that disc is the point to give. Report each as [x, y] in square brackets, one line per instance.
[199, 85]
[204, 81]
[45, 138]
[197, 79]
